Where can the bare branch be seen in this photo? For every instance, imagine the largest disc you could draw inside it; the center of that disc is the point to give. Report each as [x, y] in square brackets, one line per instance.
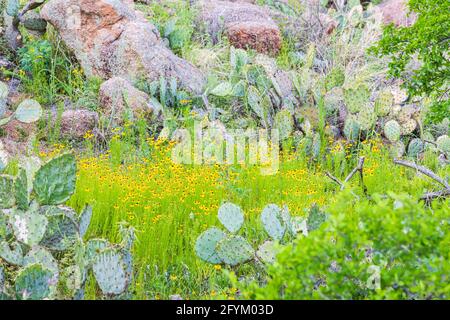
[329, 175]
[423, 170]
[428, 197]
[359, 168]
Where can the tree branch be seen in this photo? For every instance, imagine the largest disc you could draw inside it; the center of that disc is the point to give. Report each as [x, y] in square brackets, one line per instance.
[423, 170]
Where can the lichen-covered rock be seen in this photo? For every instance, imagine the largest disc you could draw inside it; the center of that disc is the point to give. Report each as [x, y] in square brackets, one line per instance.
[117, 96]
[110, 39]
[246, 25]
[76, 123]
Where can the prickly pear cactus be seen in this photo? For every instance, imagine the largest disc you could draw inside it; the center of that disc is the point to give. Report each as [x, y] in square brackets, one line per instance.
[272, 222]
[55, 181]
[12, 7]
[7, 199]
[397, 149]
[284, 123]
[443, 143]
[21, 190]
[13, 255]
[33, 283]
[206, 244]
[85, 220]
[267, 252]
[352, 129]
[62, 229]
[234, 250]
[367, 117]
[383, 103]
[28, 111]
[415, 148]
[392, 130]
[356, 97]
[29, 227]
[408, 127]
[231, 216]
[109, 271]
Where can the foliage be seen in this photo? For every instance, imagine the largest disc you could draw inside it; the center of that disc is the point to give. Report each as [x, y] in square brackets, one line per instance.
[395, 236]
[41, 243]
[427, 40]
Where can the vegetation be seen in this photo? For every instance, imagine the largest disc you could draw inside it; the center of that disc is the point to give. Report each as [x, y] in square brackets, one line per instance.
[94, 204]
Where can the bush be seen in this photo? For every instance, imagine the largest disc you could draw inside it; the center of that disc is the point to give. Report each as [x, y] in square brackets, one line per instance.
[407, 243]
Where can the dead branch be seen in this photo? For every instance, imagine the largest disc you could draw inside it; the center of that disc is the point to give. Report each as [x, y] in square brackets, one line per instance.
[430, 196]
[359, 168]
[423, 170]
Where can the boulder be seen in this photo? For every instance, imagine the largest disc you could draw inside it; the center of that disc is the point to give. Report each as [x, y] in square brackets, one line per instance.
[76, 123]
[117, 96]
[396, 12]
[246, 25]
[110, 39]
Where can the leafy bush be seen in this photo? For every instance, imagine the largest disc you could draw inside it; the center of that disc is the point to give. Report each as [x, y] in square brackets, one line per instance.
[394, 237]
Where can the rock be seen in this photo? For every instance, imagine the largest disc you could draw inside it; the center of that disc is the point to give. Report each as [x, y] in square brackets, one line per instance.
[245, 24]
[117, 96]
[110, 39]
[396, 12]
[15, 135]
[76, 123]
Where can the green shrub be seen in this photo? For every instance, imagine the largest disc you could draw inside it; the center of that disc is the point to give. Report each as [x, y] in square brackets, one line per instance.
[407, 243]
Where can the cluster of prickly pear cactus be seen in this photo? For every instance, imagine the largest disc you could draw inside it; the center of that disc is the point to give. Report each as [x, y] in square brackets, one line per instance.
[216, 246]
[37, 233]
[28, 111]
[30, 19]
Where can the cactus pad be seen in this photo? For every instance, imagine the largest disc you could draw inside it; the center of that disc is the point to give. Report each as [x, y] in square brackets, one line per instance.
[224, 89]
[12, 7]
[85, 220]
[383, 103]
[7, 198]
[234, 250]
[55, 181]
[272, 222]
[443, 143]
[29, 227]
[28, 111]
[357, 97]
[33, 283]
[206, 244]
[21, 190]
[284, 123]
[12, 256]
[367, 117]
[392, 130]
[408, 127]
[267, 252]
[397, 149]
[62, 229]
[231, 216]
[109, 271]
[335, 78]
[352, 129]
[415, 147]
[93, 248]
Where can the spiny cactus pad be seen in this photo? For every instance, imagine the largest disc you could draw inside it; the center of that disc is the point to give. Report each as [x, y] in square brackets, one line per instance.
[7, 198]
[85, 220]
[284, 123]
[93, 248]
[224, 89]
[415, 147]
[29, 227]
[206, 244]
[408, 127]
[62, 229]
[443, 143]
[42, 256]
[397, 149]
[3, 90]
[12, 255]
[55, 181]
[231, 216]
[267, 252]
[367, 117]
[33, 283]
[21, 190]
[234, 250]
[383, 103]
[352, 129]
[335, 78]
[392, 130]
[28, 111]
[272, 222]
[109, 271]
[357, 97]
[12, 7]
